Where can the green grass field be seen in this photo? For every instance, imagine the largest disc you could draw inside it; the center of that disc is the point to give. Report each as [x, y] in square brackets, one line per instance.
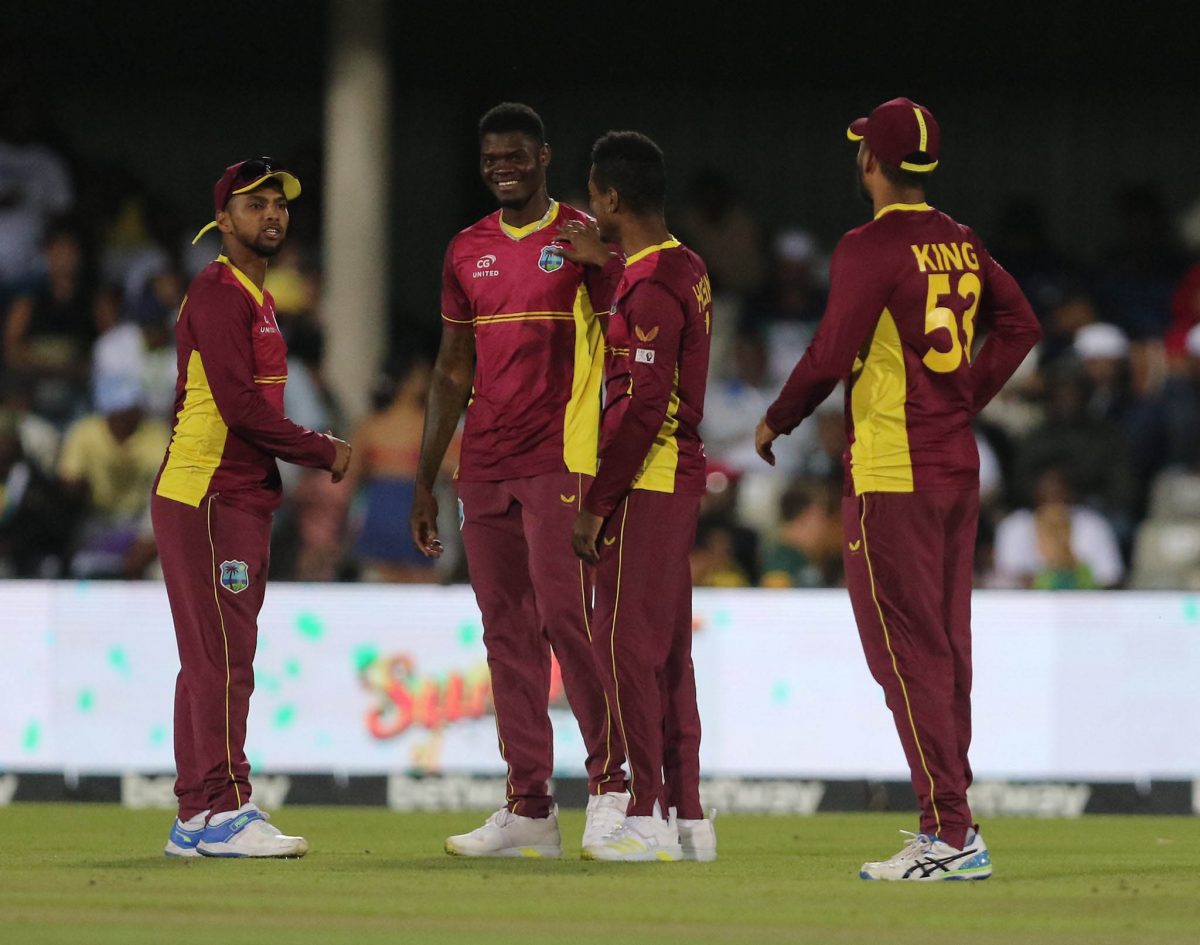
[94, 874]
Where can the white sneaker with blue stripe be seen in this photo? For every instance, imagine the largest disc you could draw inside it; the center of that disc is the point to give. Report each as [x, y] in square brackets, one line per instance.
[185, 835]
[928, 859]
[245, 832]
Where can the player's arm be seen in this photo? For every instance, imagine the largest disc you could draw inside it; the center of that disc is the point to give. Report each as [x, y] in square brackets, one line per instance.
[221, 319]
[858, 293]
[449, 388]
[1013, 331]
[603, 263]
[656, 320]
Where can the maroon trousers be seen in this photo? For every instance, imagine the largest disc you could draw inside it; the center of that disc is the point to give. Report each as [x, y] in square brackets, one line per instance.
[909, 559]
[642, 633]
[214, 562]
[534, 595]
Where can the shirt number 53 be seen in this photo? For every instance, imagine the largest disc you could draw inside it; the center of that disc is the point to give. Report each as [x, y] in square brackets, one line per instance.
[942, 322]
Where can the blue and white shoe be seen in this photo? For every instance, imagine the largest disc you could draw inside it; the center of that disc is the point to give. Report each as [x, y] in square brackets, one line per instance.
[927, 859]
[244, 833]
[184, 836]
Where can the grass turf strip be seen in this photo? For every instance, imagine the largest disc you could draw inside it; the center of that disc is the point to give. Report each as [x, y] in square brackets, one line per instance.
[95, 874]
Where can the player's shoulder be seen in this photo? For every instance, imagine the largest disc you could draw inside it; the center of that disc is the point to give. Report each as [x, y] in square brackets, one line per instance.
[482, 230]
[675, 268]
[568, 213]
[216, 287]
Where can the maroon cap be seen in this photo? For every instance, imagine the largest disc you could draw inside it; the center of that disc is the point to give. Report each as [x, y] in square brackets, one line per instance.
[901, 133]
[245, 176]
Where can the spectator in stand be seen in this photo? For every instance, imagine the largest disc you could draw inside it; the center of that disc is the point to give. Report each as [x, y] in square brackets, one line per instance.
[807, 546]
[1056, 543]
[732, 407]
[1182, 405]
[37, 517]
[1023, 246]
[721, 229]
[1185, 314]
[1093, 451]
[1103, 350]
[725, 552]
[142, 346]
[717, 224]
[786, 310]
[40, 439]
[1139, 274]
[384, 468]
[35, 187]
[51, 327]
[713, 559]
[109, 460]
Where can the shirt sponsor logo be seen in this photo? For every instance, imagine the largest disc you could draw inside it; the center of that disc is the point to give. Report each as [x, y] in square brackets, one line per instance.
[235, 576]
[644, 355]
[485, 266]
[551, 259]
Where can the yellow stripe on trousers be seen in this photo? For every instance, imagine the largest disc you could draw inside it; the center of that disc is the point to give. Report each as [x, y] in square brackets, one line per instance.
[862, 525]
[613, 651]
[225, 639]
[587, 625]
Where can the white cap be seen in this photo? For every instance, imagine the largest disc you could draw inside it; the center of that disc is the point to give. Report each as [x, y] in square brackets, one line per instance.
[1101, 340]
[1191, 341]
[796, 246]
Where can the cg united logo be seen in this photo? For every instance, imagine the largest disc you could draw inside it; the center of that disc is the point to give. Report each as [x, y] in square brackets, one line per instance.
[551, 259]
[485, 266]
[235, 576]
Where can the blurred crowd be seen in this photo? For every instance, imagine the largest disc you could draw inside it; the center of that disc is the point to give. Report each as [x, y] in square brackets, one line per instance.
[1089, 459]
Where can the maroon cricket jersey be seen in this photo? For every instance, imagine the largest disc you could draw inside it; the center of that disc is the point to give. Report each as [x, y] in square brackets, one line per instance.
[907, 292]
[656, 369]
[229, 420]
[539, 347]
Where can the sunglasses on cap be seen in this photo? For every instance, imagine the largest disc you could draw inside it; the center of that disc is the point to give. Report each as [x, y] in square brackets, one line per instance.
[246, 176]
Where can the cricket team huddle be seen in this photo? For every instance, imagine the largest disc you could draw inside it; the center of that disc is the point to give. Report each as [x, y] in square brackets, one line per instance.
[577, 341]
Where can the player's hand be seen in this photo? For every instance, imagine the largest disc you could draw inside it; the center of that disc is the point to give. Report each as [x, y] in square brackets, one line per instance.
[764, 436]
[423, 522]
[581, 243]
[584, 534]
[341, 458]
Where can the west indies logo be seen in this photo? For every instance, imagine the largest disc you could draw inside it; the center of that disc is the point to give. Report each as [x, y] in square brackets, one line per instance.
[407, 700]
[551, 259]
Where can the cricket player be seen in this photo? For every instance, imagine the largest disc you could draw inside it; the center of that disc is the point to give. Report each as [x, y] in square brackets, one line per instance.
[909, 292]
[638, 520]
[521, 338]
[211, 507]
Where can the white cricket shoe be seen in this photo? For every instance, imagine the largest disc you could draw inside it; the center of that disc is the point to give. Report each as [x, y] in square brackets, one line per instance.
[698, 838]
[509, 834]
[605, 813]
[244, 833]
[927, 859]
[639, 840]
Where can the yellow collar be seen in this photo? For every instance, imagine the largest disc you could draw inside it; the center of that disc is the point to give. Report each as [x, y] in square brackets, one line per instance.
[520, 232]
[902, 206]
[244, 279]
[643, 253]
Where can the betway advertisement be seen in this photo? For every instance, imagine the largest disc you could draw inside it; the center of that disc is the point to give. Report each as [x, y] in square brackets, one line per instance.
[364, 679]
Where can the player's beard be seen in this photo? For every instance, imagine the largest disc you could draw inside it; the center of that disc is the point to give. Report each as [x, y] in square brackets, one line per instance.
[861, 183]
[266, 250]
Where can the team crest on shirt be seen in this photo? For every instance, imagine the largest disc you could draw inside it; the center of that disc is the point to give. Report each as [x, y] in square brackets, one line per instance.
[235, 576]
[551, 259]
